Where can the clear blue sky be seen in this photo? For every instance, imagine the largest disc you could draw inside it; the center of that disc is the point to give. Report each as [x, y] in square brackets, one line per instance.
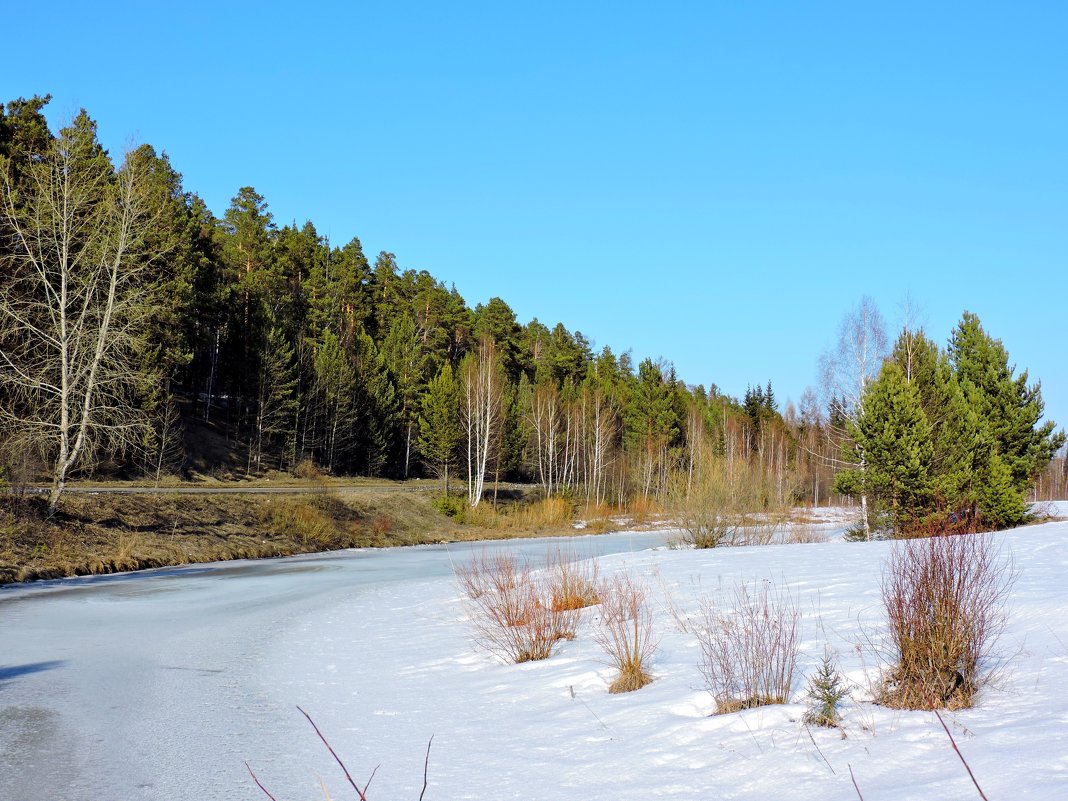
[715, 183]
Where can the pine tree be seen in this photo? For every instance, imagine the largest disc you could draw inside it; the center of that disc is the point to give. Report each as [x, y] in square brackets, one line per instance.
[896, 439]
[275, 398]
[497, 321]
[376, 404]
[406, 361]
[335, 389]
[650, 425]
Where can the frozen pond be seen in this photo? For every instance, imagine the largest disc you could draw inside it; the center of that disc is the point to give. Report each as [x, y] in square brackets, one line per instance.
[155, 685]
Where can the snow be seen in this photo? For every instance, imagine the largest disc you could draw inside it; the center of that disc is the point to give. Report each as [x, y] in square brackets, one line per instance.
[160, 685]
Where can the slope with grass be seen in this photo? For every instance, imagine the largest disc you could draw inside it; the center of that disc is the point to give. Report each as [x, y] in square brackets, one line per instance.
[122, 526]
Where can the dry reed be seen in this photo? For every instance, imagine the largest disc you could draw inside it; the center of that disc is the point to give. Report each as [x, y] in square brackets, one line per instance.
[625, 633]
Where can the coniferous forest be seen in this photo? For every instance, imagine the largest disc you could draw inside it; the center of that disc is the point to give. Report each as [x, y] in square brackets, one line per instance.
[132, 318]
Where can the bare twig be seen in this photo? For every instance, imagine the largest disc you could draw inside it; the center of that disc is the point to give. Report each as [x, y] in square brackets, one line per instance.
[258, 784]
[818, 749]
[426, 766]
[855, 786]
[982, 795]
[361, 793]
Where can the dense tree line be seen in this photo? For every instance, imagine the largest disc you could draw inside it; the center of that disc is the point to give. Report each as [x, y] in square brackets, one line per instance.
[303, 351]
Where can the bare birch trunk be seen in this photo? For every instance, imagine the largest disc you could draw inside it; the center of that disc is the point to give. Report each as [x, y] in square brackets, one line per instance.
[69, 309]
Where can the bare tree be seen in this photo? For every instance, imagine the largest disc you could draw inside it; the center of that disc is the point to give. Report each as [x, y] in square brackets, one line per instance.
[599, 420]
[846, 372]
[70, 308]
[482, 385]
[546, 420]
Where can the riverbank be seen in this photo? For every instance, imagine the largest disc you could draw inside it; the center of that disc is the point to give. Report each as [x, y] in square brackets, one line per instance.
[102, 529]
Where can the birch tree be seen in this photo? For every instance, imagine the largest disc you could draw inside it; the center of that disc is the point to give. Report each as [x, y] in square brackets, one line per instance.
[846, 372]
[481, 393]
[70, 305]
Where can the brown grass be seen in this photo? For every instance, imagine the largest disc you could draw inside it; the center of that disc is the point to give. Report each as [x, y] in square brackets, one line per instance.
[945, 604]
[749, 650]
[804, 533]
[107, 533]
[641, 508]
[625, 633]
[545, 514]
[572, 581]
[97, 534]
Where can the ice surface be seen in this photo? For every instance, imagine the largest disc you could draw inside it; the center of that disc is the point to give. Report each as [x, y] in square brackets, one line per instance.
[161, 685]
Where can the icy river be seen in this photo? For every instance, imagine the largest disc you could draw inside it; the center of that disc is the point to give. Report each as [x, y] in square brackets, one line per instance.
[160, 684]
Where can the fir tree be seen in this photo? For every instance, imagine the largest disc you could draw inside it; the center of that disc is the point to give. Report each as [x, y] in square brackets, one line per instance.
[1009, 411]
[439, 423]
[826, 689]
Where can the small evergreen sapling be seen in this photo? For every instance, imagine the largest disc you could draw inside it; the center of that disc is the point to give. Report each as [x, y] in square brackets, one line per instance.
[826, 689]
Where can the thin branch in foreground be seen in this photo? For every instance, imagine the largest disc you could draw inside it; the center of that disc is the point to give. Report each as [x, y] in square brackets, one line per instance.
[361, 793]
[855, 786]
[426, 766]
[819, 750]
[258, 783]
[971, 775]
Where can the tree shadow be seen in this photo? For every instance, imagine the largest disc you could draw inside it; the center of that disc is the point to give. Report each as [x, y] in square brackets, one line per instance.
[16, 671]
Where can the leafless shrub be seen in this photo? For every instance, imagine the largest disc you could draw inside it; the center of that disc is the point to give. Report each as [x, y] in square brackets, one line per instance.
[626, 631]
[511, 608]
[572, 581]
[945, 604]
[749, 650]
[762, 529]
[720, 501]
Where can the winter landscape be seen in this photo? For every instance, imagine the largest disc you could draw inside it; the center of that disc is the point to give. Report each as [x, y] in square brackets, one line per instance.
[161, 685]
[414, 401]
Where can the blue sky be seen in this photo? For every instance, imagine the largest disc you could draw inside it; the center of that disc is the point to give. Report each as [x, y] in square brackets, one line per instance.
[714, 183]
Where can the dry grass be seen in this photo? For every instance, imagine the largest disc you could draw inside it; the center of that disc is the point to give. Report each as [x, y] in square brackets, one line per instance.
[945, 604]
[548, 513]
[642, 508]
[97, 534]
[804, 533]
[625, 633]
[107, 533]
[302, 520]
[572, 581]
[749, 650]
[511, 610]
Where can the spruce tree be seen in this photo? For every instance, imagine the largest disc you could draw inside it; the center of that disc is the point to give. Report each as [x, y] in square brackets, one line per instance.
[439, 423]
[1007, 404]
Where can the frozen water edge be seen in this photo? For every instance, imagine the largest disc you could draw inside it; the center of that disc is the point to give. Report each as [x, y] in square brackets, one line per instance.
[145, 685]
[159, 686]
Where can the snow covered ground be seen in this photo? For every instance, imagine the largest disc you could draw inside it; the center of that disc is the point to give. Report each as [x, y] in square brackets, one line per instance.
[160, 686]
